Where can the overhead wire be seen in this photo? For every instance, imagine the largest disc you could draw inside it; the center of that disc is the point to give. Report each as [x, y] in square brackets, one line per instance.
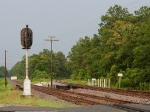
[78, 27]
[132, 2]
[93, 20]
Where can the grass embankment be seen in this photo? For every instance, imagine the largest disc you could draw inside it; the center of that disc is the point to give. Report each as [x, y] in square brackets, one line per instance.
[10, 97]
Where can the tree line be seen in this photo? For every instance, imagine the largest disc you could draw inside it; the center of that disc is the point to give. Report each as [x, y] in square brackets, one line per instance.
[121, 46]
[40, 66]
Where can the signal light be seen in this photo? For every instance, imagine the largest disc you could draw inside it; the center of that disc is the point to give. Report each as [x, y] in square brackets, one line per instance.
[26, 37]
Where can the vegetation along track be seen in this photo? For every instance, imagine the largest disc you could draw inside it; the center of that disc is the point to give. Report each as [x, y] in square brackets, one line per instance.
[77, 98]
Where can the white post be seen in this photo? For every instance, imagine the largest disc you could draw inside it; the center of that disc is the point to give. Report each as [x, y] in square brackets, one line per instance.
[93, 81]
[119, 81]
[100, 83]
[104, 83]
[120, 75]
[108, 83]
[26, 63]
[27, 82]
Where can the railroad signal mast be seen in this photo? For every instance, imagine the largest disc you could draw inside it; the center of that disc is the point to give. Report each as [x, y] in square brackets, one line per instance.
[26, 42]
[51, 40]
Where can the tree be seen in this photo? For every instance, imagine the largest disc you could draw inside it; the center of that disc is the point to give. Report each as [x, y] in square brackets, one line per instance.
[2, 75]
[39, 66]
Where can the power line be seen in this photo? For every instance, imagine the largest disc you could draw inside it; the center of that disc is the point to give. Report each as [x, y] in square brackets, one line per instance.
[92, 21]
[79, 27]
[132, 3]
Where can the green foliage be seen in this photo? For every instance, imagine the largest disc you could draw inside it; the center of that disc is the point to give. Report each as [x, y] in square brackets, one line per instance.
[144, 86]
[40, 75]
[121, 45]
[39, 66]
[75, 81]
[2, 72]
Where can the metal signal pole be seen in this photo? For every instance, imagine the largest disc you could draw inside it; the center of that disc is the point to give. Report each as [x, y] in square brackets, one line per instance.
[26, 42]
[51, 57]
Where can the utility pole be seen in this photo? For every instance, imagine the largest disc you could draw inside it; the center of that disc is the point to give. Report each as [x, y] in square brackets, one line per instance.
[51, 56]
[5, 70]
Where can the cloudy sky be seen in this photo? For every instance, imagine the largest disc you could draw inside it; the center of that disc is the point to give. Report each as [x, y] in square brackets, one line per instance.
[67, 20]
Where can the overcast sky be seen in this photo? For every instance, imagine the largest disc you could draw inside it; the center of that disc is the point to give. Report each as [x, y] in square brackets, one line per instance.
[67, 20]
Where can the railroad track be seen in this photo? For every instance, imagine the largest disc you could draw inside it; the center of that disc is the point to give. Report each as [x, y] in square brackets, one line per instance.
[63, 95]
[74, 97]
[116, 91]
[57, 93]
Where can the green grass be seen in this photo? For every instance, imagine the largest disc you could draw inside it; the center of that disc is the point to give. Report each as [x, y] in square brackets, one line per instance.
[41, 80]
[12, 97]
[75, 81]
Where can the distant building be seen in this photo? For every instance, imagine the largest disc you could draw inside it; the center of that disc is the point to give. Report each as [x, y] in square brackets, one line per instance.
[13, 78]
